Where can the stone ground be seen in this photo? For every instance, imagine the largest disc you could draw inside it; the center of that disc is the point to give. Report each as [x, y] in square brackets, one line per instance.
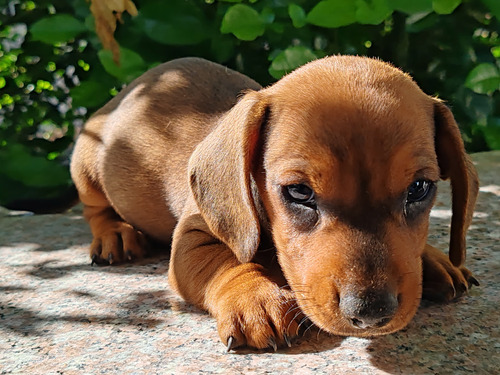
[59, 315]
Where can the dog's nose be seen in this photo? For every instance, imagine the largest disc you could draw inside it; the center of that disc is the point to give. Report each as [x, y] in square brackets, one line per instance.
[372, 309]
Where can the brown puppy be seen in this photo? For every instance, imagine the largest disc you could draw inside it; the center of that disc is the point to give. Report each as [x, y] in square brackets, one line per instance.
[333, 169]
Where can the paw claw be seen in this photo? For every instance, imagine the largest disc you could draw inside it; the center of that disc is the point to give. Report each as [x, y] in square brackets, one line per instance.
[442, 281]
[287, 340]
[461, 289]
[473, 281]
[450, 294]
[264, 320]
[231, 344]
[272, 343]
[118, 241]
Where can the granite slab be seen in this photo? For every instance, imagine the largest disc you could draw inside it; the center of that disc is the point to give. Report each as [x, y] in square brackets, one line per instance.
[60, 315]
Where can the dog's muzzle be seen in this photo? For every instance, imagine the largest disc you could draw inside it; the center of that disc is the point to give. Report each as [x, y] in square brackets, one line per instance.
[369, 309]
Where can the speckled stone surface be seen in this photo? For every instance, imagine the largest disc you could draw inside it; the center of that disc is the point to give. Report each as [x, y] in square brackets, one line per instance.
[59, 315]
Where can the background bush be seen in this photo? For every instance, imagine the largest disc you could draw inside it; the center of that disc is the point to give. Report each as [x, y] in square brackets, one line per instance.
[54, 72]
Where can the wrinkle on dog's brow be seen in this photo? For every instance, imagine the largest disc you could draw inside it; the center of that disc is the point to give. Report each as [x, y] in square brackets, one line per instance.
[363, 215]
[299, 170]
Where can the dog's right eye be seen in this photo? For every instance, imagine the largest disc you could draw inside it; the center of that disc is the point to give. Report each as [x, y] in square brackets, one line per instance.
[300, 193]
[419, 197]
[418, 191]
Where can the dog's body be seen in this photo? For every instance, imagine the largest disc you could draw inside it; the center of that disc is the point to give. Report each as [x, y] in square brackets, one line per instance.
[333, 169]
[139, 163]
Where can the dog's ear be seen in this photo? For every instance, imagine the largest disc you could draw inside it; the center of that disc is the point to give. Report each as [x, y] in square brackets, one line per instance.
[220, 177]
[455, 164]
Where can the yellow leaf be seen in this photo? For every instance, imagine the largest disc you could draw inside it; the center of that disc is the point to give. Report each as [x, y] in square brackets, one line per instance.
[106, 14]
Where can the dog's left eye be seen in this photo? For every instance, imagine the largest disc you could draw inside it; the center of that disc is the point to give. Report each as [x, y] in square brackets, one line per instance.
[418, 191]
[299, 193]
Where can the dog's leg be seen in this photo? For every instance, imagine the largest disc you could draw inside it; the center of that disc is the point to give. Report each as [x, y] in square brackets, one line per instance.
[442, 281]
[249, 306]
[113, 239]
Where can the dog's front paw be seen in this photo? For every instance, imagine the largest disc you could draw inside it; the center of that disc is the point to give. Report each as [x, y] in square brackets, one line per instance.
[442, 281]
[117, 242]
[256, 312]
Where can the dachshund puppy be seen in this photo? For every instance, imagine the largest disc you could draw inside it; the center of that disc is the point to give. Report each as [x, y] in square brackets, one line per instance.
[309, 199]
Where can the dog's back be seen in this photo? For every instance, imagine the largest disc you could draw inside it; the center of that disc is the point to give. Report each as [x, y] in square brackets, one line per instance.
[135, 149]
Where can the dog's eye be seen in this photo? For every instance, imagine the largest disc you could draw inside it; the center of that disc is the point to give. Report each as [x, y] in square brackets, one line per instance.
[418, 191]
[299, 193]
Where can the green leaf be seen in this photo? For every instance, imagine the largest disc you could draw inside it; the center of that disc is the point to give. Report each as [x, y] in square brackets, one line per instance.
[131, 64]
[372, 12]
[477, 107]
[491, 133]
[267, 15]
[494, 6]
[483, 79]
[17, 163]
[332, 13]
[445, 6]
[411, 6]
[173, 22]
[297, 15]
[57, 29]
[89, 94]
[421, 21]
[290, 59]
[495, 51]
[243, 22]
[277, 27]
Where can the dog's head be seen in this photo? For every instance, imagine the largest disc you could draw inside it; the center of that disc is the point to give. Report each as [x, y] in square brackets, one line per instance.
[340, 159]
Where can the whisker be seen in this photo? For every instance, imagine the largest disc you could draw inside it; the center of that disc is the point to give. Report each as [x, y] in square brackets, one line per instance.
[268, 249]
[319, 331]
[302, 321]
[299, 313]
[308, 328]
[287, 301]
[292, 309]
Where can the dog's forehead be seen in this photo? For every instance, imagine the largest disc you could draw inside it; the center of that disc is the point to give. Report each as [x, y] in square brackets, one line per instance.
[368, 123]
[351, 85]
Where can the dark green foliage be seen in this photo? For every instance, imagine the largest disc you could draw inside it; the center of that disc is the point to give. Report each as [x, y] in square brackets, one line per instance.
[54, 72]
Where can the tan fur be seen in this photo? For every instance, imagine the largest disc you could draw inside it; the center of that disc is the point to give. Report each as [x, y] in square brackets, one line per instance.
[177, 149]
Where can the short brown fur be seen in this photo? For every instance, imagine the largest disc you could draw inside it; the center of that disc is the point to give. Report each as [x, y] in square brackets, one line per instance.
[197, 153]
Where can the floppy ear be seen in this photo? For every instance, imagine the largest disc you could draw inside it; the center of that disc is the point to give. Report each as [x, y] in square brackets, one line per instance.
[455, 164]
[220, 177]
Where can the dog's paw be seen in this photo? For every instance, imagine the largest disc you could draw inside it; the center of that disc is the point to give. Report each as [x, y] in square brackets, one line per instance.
[257, 313]
[442, 281]
[117, 242]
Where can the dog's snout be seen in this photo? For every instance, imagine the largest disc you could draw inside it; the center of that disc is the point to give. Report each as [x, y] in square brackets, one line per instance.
[373, 309]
